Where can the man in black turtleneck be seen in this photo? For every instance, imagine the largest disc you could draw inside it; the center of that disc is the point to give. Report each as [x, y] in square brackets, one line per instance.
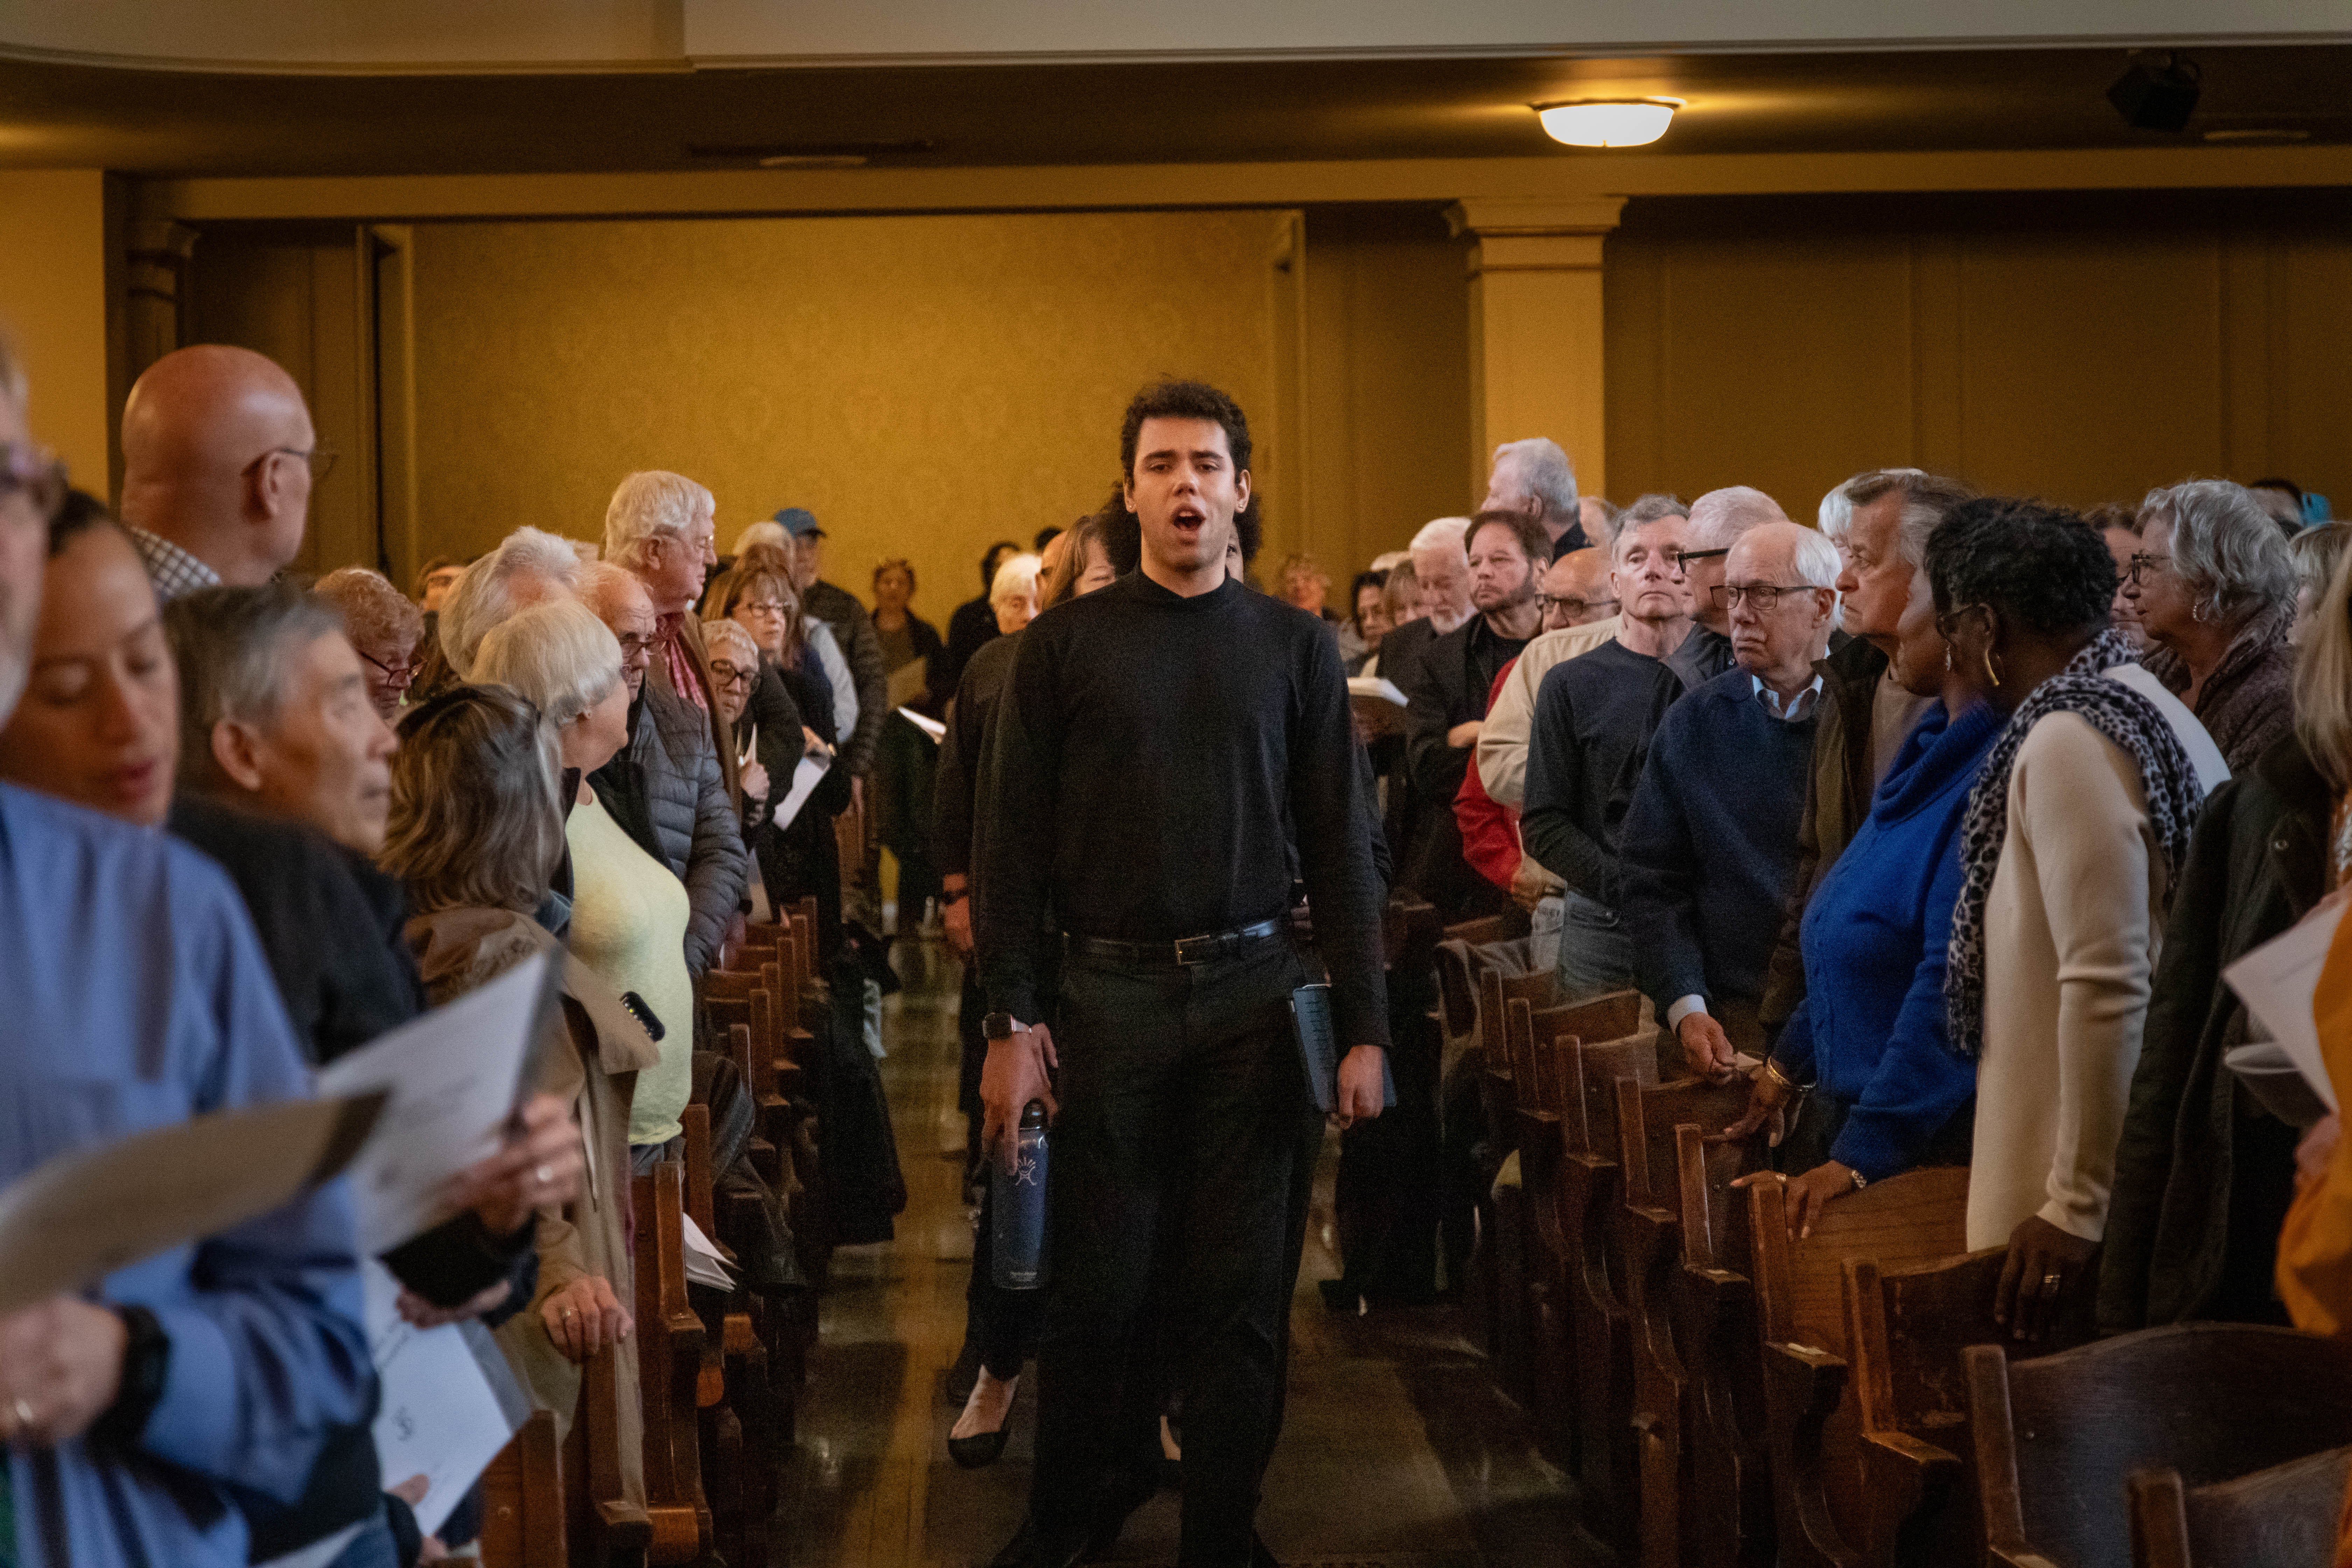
[1161, 749]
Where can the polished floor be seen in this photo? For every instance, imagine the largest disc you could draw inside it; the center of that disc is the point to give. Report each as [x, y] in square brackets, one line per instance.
[1398, 1449]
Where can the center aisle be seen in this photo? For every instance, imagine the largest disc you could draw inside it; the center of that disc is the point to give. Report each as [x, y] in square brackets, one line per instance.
[1397, 1449]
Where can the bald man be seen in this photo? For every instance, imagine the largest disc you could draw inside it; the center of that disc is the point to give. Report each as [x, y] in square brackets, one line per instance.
[1574, 591]
[1718, 521]
[218, 453]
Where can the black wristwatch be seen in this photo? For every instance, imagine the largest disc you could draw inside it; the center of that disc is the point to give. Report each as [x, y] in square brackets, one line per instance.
[146, 1358]
[997, 1026]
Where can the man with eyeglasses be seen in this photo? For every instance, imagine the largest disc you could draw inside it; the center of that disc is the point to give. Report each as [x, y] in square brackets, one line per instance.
[1718, 521]
[664, 788]
[1709, 844]
[218, 458]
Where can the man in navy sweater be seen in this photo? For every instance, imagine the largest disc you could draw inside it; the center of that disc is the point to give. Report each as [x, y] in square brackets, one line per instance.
[1710, 841]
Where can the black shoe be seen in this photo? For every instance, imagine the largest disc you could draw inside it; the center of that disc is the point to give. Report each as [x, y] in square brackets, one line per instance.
[964, 1375]
[981, 1449]
[1032, 1549]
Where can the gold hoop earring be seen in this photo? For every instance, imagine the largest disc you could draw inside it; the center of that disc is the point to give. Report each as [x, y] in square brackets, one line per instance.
[1991, 674]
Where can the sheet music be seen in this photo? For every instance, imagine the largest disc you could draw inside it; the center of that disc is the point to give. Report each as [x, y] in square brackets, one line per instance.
[1377, 686]
[72, 1220]
[453, 1077]
[704, 1265]
[932, 727]
[441, 1417]
[805, 778]
[2278, 980]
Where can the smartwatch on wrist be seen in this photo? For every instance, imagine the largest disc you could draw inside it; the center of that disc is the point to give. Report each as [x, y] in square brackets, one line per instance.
[146, 1360]
[997, 1026]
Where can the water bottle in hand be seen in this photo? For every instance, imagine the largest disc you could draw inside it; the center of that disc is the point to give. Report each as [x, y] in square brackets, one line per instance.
[1018, 1245]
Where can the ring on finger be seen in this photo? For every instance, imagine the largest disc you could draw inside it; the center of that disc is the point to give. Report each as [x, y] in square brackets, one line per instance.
[2051, 1281]
[544, 1177]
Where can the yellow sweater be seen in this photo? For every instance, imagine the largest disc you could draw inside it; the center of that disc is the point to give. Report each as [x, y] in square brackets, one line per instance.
[628, 924]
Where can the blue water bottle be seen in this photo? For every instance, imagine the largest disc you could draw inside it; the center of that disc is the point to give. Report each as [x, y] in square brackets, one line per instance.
[1017, 1247]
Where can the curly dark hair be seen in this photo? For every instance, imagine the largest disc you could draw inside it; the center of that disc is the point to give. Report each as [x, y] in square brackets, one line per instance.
[2042, 567]
[1184, 400]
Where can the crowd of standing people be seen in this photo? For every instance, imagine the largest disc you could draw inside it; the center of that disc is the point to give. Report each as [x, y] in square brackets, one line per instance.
[1937, 820]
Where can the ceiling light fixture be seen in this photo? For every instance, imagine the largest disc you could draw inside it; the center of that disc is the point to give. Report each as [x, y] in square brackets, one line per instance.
[1608, 121]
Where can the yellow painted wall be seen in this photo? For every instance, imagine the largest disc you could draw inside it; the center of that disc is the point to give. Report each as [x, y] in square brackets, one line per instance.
[1388, 380]
[54, 304]
[923, 385]
[2081, 348]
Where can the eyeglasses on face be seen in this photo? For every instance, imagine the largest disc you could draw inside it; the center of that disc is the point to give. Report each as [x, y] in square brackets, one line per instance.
[2141, 562]
[320, 459]
[1761, 596]
[724, 672]
[398, 675]
[1569, 605]
[1684, 557]
[634, 646]
[35, 473]
[764, 607]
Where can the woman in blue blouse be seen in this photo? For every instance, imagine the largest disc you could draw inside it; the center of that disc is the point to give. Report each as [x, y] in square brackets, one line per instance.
[1869, 1039]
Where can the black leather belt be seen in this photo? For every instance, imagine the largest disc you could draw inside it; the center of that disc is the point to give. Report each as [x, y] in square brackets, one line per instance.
[1183, 951]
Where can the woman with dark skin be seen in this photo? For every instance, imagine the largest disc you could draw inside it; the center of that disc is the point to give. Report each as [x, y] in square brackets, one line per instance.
[2076, 831]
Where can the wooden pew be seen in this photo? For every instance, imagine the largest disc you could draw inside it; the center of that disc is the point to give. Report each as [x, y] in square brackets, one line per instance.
[734, 1427]
[2059, 1437]
[1906, 1328]
[2286, 1514]
[1649, 1118]
[523, 1501]
[1506, 1222]
[669, 1370]
[1589, 1048]
[1728, 1523]
[1813, 1421]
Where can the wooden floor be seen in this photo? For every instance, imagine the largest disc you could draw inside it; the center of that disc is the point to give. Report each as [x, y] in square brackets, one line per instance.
[1397, 1448]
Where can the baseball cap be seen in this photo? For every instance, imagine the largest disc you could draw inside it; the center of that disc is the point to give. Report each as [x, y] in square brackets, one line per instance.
[799, 521]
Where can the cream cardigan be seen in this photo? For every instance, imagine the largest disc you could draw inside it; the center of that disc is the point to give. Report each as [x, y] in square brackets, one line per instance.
[2072, 925]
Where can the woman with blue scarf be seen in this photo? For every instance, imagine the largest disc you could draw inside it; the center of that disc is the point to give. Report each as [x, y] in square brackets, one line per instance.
[1869, 1039]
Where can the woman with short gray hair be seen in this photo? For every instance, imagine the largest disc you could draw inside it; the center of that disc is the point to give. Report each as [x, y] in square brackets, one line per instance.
[629, 913]
[2215, 592]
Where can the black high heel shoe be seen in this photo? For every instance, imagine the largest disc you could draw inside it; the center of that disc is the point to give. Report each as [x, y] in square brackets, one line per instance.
[981, 1449]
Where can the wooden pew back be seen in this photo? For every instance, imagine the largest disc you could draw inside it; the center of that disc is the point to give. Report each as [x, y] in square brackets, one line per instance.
[1814, 1426]
[523, 1501]
[2286, 1514]
[2058, 1438]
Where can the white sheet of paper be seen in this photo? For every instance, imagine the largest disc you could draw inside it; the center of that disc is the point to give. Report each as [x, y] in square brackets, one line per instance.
[704, 1263]
[2276, 982]
[452, 1075]
[1378, 685]
[932, 727]
[439, 1419]
[805, 782]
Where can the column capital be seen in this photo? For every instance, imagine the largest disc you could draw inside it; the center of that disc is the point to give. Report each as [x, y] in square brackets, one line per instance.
[1514, 218]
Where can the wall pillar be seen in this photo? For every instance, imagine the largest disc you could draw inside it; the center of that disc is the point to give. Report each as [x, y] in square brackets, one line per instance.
[53, 300]
[1535, 327]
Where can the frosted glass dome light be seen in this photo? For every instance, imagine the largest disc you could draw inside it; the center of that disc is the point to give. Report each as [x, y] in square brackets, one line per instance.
[1608, 122]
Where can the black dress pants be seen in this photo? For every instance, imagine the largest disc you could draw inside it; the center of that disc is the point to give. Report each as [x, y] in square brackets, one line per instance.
[1390, 1189]
[1185, 1137]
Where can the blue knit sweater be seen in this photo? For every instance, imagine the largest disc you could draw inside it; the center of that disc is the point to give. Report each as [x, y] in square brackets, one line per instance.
[1709, 844]
[1871, 1027]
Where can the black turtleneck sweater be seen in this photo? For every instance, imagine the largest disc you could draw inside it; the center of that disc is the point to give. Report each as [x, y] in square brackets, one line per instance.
[1154, 762]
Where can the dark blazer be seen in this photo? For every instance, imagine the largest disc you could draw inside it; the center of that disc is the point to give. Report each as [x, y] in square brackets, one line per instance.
[957, 784]
[1837, 802]
[971, 627]
[1441, 690]
[2203, 1176]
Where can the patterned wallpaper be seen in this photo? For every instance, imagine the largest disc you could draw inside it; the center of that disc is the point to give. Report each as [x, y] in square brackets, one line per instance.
[923, 385]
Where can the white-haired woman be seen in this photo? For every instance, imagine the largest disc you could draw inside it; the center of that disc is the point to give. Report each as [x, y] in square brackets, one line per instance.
[770, 738]
[663, 527]
[628, 913]
[2215, 592]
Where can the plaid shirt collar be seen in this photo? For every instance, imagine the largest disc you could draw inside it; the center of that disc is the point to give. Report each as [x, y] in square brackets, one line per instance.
[172, 570]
